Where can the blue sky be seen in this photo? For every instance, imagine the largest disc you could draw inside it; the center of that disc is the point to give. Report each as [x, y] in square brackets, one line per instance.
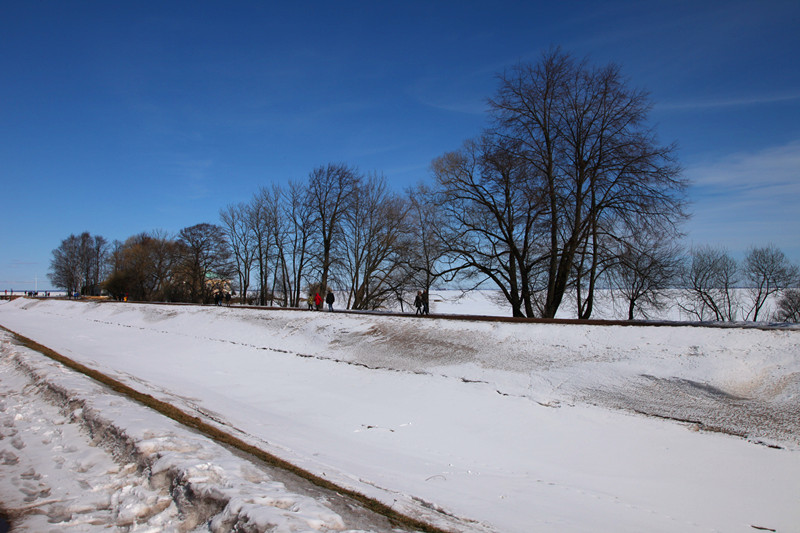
[123, 117]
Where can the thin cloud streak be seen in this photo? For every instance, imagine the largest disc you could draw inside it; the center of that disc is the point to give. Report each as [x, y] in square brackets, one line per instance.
[694, 105]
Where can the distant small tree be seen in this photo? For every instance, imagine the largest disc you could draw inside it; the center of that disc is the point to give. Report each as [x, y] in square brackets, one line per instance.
[79, 264]
[710, 276]
[144, 268]
[206, 257]
[766, 271]
[646, 268]
[65, 270]
[789, 306]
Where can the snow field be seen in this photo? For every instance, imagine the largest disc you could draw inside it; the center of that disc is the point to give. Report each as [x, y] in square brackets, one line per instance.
[493, 423]
[111, 462]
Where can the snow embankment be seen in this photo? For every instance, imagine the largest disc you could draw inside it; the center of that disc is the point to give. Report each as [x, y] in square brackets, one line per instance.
[502, 424]
[79, 458]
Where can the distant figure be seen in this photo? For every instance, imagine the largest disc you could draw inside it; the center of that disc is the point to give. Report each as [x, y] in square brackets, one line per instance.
[329, 299]
[425, 308]
[310, 302]
[418, 303]
[228, 299]
[318, 301]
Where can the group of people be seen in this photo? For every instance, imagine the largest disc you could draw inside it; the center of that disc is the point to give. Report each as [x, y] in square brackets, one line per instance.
[220, 297]
[315, 302]
[26, 293]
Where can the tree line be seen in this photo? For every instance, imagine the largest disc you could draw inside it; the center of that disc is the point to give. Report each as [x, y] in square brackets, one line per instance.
[566, 191]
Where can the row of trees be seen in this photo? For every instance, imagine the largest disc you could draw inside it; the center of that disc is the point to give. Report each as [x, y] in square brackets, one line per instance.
[200, 260]
[567, 190]
[340, 228]
[148, 266]
[712, 276]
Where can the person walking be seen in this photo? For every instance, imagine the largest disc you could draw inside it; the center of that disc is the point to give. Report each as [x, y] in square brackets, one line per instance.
[418, 303]
[317, 301]
[425, 309]
[329, 299]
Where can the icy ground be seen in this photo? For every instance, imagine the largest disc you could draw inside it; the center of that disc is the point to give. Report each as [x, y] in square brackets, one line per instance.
[472, 426]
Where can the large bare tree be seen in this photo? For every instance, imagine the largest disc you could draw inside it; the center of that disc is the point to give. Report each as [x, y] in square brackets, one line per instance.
[592, 161]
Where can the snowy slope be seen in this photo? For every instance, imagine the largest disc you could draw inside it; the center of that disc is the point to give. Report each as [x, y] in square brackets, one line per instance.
[506, 425]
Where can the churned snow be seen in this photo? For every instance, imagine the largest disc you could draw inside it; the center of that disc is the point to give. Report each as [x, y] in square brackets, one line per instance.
[472, 426]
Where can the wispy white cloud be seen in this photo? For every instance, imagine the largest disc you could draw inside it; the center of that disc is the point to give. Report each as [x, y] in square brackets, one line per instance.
[777, 165]
[454, 91]
[748, 199]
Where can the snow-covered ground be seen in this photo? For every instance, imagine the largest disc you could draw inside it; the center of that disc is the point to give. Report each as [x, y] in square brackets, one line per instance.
[473, 426]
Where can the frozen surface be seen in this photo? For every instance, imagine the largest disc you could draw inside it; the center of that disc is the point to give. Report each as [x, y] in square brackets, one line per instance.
[481, 426]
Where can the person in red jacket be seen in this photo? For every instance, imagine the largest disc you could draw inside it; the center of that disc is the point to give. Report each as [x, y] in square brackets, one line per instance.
[318, 301]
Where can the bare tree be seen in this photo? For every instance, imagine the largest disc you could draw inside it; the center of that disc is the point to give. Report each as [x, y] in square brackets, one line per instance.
[646, 268]
[767, 271]
[490, 217]
[330, 189]
[296, 217]
[239, 232]
[267, 215]
[96, 250]
[79, 264]
[206, 258]
[65, 267]
[789, 306]
[373, 227]
[262, 219]
[425, 250]
[592, 162]
[710, 276]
